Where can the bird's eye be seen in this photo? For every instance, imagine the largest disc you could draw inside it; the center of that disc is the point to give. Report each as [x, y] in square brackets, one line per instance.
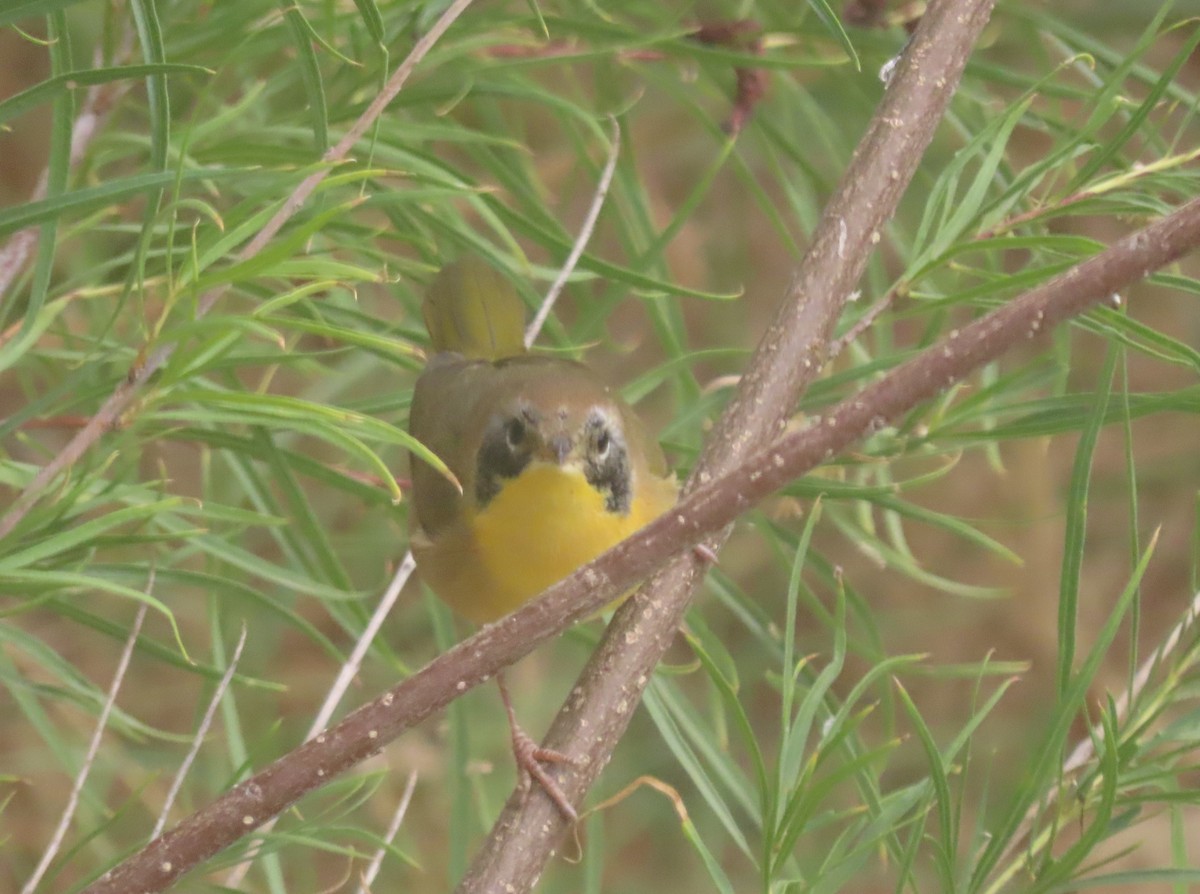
[514, 432]
[603, 441]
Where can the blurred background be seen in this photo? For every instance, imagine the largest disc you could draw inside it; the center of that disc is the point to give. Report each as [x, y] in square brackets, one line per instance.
[253, 474]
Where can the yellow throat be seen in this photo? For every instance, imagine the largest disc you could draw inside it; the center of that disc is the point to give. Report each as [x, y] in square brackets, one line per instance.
[554, 521]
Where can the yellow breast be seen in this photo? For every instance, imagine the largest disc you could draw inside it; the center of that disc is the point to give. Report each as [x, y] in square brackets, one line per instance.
[542, 526]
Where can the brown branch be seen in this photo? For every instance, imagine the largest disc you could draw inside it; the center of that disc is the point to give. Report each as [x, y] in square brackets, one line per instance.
[788, 359]
[109, 415]
[711, 505]
[751, 82]
[866, 13]
[791, 356]
[709, 508]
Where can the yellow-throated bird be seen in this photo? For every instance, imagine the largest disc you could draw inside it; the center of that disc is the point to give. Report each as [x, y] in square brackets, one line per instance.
[554, 467]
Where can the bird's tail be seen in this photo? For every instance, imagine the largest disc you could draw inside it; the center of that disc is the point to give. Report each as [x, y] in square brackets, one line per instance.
[473, 310]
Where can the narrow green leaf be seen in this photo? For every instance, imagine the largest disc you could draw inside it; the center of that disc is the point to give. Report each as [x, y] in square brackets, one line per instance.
[303, 38]
[16, 10]
[1076, 528]
[90, 198]
[67, 82]
[80, 535]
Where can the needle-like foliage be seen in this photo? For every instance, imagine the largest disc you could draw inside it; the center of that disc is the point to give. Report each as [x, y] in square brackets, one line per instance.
[960, 657]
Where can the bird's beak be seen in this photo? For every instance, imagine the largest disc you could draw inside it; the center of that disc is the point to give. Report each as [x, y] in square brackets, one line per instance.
[559, 448]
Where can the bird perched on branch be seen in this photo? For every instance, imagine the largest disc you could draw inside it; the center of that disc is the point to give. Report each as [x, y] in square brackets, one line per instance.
[552, 468]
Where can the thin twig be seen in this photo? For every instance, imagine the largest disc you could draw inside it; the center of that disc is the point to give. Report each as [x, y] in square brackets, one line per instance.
[89, 758]
[1085, 751]
[585, 235]
[372, 869]
[350, 669]
[709, 508]
[863, 323]
[122, 397]
[98, 101]
[201, 731]
[346, 674]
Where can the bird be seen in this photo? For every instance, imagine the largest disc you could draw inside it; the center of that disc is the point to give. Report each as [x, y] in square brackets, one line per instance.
[550, 466]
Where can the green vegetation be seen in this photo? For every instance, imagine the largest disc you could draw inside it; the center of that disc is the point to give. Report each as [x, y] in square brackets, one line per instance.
[883, 679]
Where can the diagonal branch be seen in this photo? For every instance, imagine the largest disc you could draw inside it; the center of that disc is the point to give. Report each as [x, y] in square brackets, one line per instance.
[710, 507]
[789, 357]
[333, 698]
